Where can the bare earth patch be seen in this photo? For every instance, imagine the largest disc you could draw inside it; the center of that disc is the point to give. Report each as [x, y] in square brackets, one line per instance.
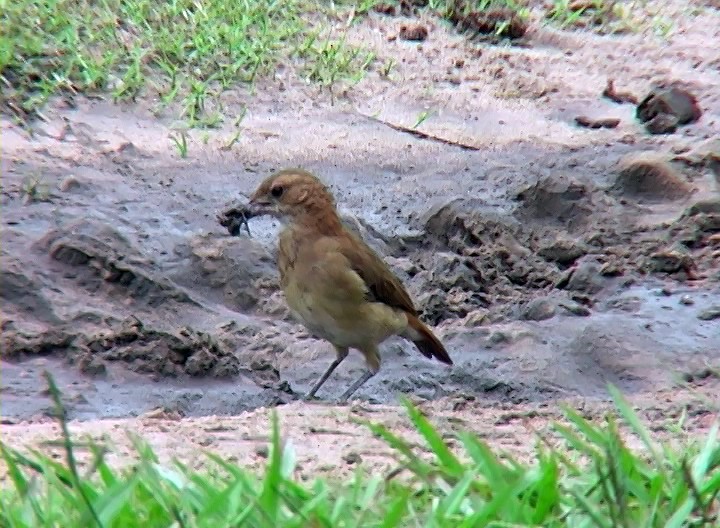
[552, 258]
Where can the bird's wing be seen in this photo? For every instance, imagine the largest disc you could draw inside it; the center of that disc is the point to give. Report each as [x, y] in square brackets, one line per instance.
[382, 284]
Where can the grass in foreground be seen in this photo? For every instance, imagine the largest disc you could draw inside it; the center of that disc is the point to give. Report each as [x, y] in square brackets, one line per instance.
[595, 480]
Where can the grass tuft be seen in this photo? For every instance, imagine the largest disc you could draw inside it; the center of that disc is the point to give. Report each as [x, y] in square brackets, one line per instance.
[182, 50]
[606, 16]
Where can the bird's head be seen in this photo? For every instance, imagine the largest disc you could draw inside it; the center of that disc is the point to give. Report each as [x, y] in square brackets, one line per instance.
[291, 194]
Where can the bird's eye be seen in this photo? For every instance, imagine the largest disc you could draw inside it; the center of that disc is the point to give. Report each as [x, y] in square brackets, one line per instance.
[276, 191]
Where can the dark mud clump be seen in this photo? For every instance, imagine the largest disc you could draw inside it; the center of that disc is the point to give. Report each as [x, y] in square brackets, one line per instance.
[564, 238]
[664, 109]
[413, 32]
[489, 23]
[595, 123]
[156, 351]
[140, 349]
[488, 263]
[492, 22]
[16, 344]
[384, 8]
[617, 96]
[457, 287]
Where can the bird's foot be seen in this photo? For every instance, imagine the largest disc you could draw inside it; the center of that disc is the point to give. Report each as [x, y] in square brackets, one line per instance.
[355, 386]
[310, 398]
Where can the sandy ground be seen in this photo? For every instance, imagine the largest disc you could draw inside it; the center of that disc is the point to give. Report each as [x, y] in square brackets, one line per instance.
[526, 240]
[336, 440]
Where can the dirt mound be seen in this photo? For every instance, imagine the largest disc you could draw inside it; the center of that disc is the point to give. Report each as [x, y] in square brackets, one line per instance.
[139, 348]
[240, 268]
[16, 344]
[562, 237]
[558, 201]
[159, 352]
[651, 177]
[490, 262]
[21, 292]
[105, 260]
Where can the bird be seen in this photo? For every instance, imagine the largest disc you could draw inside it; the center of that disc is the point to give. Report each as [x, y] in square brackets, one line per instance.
[338, 287]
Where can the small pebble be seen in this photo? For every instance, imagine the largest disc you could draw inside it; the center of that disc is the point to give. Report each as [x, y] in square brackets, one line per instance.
[352, 458]
[69, 183]
[686, 300]
[576, 309]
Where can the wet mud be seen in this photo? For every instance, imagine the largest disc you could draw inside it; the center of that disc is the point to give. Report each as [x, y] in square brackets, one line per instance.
[550, 258]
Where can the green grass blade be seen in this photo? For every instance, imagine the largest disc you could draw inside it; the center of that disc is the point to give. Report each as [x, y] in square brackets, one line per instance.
[113, 500]
[450, 506]
[17, 477]
[702, 462]
[269, 499]
[447, 459]
[397, 510]
[633, 421]
[414, 463]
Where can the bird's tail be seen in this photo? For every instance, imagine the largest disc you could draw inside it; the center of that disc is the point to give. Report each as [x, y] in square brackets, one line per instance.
[426, 342]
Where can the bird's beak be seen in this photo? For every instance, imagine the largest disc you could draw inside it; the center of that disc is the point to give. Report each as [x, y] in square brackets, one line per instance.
[260, 206]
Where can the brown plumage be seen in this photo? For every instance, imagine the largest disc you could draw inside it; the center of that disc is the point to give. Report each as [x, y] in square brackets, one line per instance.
[333, 281]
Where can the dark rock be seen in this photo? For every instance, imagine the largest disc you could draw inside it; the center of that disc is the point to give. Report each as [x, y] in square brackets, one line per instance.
[672, 101]
[562, 250]
[662, 124]
[595, 123]
[586, 278]
[539, 309]
[710, 314]
[671, 260]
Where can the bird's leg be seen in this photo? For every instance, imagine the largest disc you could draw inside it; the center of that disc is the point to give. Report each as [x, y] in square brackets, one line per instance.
[355, 386]
[341, 354]
[372, 358]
